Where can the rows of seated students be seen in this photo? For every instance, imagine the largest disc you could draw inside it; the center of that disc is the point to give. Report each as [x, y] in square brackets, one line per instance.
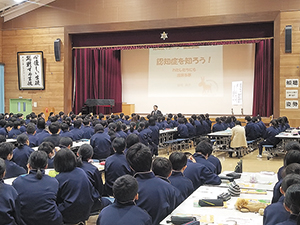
[78, 189]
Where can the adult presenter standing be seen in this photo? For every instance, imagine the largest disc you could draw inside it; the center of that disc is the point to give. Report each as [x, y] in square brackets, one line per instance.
[155, 111]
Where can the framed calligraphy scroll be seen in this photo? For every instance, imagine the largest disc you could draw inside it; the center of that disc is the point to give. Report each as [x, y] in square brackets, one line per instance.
[31, 70]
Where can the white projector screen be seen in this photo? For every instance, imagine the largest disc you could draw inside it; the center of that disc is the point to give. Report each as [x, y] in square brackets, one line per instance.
[188, 80]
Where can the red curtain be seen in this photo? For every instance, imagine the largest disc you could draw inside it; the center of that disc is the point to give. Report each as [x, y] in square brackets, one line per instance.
[263, 79]
[97, 74]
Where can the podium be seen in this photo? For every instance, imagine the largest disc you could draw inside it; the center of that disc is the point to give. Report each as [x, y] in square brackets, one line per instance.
[91, 103]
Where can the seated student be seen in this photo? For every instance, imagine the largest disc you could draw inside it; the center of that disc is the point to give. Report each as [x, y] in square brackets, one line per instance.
[22, 126]
[54, 130]
[132, 129]
[131, 140]
[154, 135]
[77, 132]
[66, 142]
[85, 153]
[2, 138]
[198, 173]
[156, 196]
[119, 130]
[177, 179]
[284, 124]
[4, 130]
[182, 129]
[202, 152]
[292, 156]
[12, 169]
[191, 127]
[238, 137]
[292, 205]
[88, 131]
[49, 148]
[15, 131]
[76, 194]
[218, 125]
[65, 131]
[41, 125]
[8, 198]
[101, 143]
[276, 213]
[22, 152]
[36, 202]
[270, 138]
[41, 136]
[145, 134]
[30, 131]
[115, 165]
[124, 210]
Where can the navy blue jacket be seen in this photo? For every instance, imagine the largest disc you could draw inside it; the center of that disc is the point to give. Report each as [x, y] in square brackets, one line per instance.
[116, 166]
[182, 131]
[101, 144]
[191, 130]
[154, 134]
[145, 137]
[3, 132]
[77, 133]
[122, 134]
[251, 131]
[40, 137]
[279, 173]
[275, 213]
[14, 133]
[276, 192]
[203, 161]
[21, 156]
[32, 140]
[199, 175]
[7, 204]
[51, 163]
[36, 203]
[87, 132]
[217, 127]
[292, 220]
[134, 132]
[13, 170]
[39, 130]
[270, 134]
[182, 183]
[216, 162]
[53, 138]
[156, 196]
[75, 196]
[67, 134]
[123, 214]
[206, 126]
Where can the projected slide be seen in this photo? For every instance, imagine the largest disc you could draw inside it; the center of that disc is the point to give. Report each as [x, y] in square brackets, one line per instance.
[186, 72]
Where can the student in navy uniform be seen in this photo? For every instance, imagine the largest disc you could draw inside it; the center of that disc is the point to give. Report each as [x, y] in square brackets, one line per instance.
[15, 131]
[22, 152]
[101, 143]
[8, 198]
[177, 179]
[41, 125]
[154, 135]
[202, 151]
[276, 213]
[119, 130]
[88, 131]
[131, 140]
[49, 148]
[76, 194]
[54, 130]
[22, 126]
[205, 123]
[270, 138]
[77, 132]
[292, 205]
[36, 202]
[191, 127]
[5, 130]
[30, 131]
[199, 174]
[208, 121]
[41, 136]
[66, 142]
[182, 129]
[261, 125]
[156, 196]
[65, 131]
[124, 210]
[218, 125]
[12, 169]
[250, 129]
[2, 138]
[132, 129]
[145, 134]
[116, 165]
[85, 153]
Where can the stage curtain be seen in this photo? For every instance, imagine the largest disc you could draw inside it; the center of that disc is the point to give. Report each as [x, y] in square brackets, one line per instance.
[97, 75]
[263, 79]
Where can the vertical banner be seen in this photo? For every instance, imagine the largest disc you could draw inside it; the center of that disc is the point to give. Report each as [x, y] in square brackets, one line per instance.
[237, 92]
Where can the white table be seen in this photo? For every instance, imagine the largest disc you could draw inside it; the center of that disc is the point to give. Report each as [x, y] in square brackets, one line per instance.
[217, 215]
[166, 135]
[75, 144]
[222, 139]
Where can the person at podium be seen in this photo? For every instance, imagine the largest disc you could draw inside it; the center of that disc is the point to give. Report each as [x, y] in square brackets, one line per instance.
[155, 111]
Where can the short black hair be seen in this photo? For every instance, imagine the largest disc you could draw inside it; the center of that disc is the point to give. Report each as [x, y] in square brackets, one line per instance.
[237, 122]
[22, 139]
[178, 160]
[292, 198]
[86, 152]
[289, 180]
[292, 145]
[16, 124]
[293, 168]
[64, 160]
[77, 123]
[2, 168]
[98, 128]
[54, 128]
[47, 147]
[38, 160]
[41, 124]
[162, 167]
[30, 129]
[119, 144]
[139, 157]
[6, 148]
[292, 156]
[204, 148]
[2, 138]
[65, 142]
[64, 127]
[132, 139]
[125, 188]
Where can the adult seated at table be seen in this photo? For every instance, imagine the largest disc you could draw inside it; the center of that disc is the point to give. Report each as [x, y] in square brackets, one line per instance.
[238, 137]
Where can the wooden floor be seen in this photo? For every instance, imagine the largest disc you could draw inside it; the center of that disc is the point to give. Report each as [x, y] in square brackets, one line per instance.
[250, 164]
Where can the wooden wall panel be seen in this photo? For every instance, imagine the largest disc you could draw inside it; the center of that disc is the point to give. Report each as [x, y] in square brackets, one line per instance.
[35, 40]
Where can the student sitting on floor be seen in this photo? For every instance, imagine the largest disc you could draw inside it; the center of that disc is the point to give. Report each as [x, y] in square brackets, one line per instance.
[12, 169]
[101, 143]
[88, 131]
[54, 130]
[36, 203]
[199, 174]
[8, 198]
[124, 211]
[116, 165]
[131, 140]
[15, 131]
[49, 148]
[156, 196]
[202, 152]
[177, 179]
[30, 131]
[76, 194]
[22, 152]
[65, 131]
[292, 205]
[276, 213]
[6, 129]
